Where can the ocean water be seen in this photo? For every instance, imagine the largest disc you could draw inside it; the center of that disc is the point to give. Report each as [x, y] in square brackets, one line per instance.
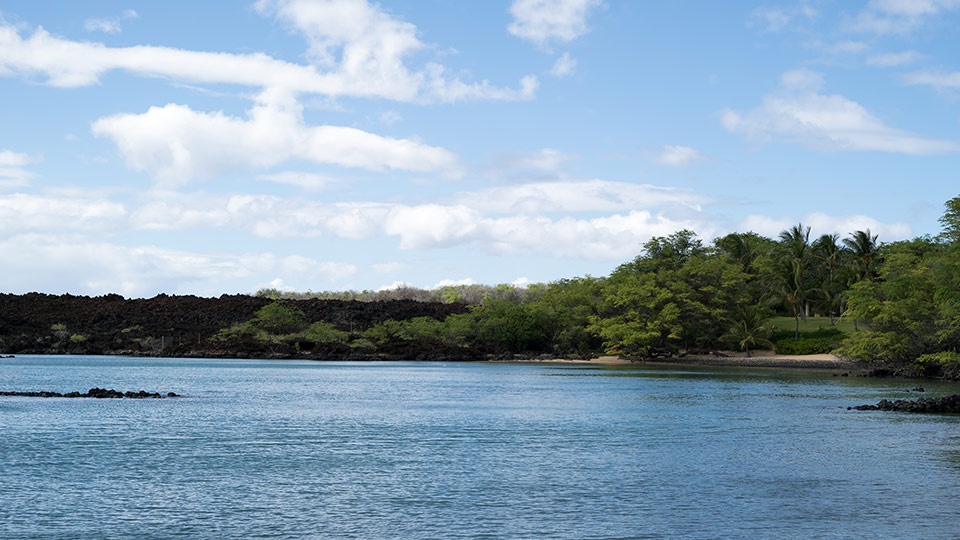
[292, 449]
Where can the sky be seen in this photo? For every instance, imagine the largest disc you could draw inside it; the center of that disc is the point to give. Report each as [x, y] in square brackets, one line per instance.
[224, 147]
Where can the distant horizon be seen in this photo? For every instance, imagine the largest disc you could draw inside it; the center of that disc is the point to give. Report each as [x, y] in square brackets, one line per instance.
[349, 146]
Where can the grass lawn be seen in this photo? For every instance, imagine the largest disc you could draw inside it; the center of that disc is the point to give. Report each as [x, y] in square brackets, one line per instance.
[812, 324]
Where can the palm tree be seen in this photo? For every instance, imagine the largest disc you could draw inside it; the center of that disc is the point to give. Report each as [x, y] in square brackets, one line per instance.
[793, 276]
[830, 256]
[864, 256]
[748, 326]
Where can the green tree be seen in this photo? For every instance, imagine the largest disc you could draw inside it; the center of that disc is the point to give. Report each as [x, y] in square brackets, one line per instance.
[674, 295]
[792, 282]
[748, 327]
[950, 221]
[901, 307]
[279, 318]
[830, 257]
[564, 308]
[863, 254]
[510, 326]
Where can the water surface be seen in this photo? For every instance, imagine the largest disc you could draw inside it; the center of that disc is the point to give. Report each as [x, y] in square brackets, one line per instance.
[433, 450]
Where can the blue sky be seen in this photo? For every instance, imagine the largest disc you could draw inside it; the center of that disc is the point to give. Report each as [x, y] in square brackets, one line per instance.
[222, 147]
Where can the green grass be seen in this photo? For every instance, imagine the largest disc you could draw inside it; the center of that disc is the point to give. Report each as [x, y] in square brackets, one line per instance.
[812, 324]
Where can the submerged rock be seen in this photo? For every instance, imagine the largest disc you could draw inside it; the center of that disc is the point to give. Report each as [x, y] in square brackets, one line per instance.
[947, 404]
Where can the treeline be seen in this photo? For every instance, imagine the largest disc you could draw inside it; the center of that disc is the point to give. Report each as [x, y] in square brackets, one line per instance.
[682, 294]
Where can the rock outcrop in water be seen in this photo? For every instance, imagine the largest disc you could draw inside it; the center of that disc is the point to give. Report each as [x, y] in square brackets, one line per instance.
[947, 404]
[99, 393]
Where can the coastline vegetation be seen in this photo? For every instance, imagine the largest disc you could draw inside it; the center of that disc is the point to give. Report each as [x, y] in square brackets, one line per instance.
[891, 306]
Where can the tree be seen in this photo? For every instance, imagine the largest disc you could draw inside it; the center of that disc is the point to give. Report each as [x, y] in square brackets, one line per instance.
[950, 221]
[279, 318]
[864, 258]
[675, 295]
[748, 327]
[791, 279]
[829, 295]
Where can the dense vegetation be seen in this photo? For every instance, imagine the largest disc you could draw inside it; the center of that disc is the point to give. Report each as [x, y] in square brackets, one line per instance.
[901, 300]
[893, 306]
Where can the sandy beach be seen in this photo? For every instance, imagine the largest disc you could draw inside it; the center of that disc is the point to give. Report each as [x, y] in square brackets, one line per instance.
[726, 358]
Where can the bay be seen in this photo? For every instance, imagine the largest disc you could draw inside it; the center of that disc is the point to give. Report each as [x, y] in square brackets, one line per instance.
[297, 449]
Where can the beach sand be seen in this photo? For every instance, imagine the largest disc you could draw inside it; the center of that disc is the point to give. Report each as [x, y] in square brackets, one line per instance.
[726, 358]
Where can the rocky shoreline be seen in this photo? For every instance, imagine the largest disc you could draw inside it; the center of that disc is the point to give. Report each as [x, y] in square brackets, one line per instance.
[946, 404]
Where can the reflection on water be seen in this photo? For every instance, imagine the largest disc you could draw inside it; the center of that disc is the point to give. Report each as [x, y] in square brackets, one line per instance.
[434, 450]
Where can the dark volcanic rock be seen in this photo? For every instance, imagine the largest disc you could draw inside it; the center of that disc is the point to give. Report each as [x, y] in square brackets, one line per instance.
[173, 325]
[947, 404]
[99, 393]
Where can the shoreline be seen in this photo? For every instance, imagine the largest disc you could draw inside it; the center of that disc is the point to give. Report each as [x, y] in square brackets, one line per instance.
[765, 359]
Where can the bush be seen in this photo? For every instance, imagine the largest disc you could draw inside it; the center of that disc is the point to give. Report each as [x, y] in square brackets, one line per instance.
[834, 334]
[804, 345]
[942, 364]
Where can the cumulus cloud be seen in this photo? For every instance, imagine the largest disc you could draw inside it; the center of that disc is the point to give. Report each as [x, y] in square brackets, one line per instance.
[109, 25]
[678, 155]
[355, 49]
[899, 16]
[174, 143]
[800, 113]
[367, 47]
[547, 21]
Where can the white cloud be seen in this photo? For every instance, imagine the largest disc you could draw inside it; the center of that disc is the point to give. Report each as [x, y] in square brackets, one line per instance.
[15, 159]
[940, 81]
[98, 267]
[13, 173]
[775, 19]
[547, 21]
[390, 118]
[110, 25]
[303, 180]
[453, 283]
[526, 224]
[846, 47]
[20, 213]
[365, 47]
[899, 16]
[545, 159]
[678, 155]
[174, 143]
[799, 113]
[356, 49]
[893, 59]
[563, 66]
[821, 223]
[581, 196]
[432, 225]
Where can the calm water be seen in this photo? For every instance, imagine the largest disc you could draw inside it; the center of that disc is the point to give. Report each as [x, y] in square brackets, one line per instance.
[433, 450]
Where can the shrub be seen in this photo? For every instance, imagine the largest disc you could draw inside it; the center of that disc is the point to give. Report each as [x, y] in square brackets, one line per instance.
[804, 345]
